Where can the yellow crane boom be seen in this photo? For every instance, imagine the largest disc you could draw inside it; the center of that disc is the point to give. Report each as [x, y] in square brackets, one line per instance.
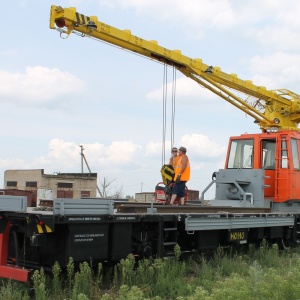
[270, 108]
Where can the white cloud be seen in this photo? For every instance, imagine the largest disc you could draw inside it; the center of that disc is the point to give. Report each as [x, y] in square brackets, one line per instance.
[281, 38]
[12, 163]
[218, 13]
[59, 149]
[122, 152]
[192, 12]
[67, 155]
[153, 148]
[200, 145]
[276, 70]
[38, 86]
[185, 87]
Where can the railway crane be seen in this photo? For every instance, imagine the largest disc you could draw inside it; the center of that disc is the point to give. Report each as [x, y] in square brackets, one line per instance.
[274, 151]
[257, 194]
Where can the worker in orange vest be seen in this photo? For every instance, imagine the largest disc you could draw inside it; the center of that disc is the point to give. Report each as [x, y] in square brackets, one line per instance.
[182, 175]
[174, 158]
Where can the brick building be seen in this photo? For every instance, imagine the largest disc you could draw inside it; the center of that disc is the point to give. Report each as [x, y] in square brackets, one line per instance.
[48, 187]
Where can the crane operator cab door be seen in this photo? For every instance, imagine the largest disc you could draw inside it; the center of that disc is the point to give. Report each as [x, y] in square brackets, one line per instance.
[287, 170]
[268, 163]
[282, 178]
[277, 154]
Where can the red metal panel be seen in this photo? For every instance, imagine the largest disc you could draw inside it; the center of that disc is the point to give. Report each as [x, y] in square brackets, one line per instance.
[4, 237]
[9, 271]
[14, 273]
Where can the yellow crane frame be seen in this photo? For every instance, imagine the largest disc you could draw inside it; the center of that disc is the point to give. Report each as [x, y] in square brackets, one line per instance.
[278, 109]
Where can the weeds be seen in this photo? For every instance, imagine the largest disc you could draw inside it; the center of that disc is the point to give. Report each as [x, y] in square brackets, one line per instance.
[70, 276]
[83, 283]
[262, 273]
[39, 285]
[13, 291]
[56, 282]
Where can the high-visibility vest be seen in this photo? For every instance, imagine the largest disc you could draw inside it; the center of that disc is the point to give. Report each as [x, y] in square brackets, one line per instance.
[174, 161]
[185, 176]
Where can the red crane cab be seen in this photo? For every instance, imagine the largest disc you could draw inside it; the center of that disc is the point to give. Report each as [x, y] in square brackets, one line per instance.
[277, 153]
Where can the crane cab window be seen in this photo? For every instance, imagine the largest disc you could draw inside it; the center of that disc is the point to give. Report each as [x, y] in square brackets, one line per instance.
[241, 154]
[268, 154]
[284, 154]
[295, 153]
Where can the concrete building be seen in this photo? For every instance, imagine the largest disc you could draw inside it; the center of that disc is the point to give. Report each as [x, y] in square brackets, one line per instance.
[48, 187]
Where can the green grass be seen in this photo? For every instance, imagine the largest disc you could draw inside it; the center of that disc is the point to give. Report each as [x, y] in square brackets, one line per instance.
[259, 273]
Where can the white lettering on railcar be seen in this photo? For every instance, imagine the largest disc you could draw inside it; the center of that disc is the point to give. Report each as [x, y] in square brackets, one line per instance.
[82, 219]
[125, 218]
[87, 237]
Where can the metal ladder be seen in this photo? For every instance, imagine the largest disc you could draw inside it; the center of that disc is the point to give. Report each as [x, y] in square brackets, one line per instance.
[167, 236]
[281, 176]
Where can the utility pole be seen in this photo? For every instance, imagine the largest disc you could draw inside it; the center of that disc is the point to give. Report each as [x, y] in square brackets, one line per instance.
[82, 155]
[84, 159]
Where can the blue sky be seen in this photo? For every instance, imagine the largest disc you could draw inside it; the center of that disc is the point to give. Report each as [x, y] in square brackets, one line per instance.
[57, 94]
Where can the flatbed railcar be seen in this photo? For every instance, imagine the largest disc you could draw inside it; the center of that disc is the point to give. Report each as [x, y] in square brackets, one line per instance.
[102, 230]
